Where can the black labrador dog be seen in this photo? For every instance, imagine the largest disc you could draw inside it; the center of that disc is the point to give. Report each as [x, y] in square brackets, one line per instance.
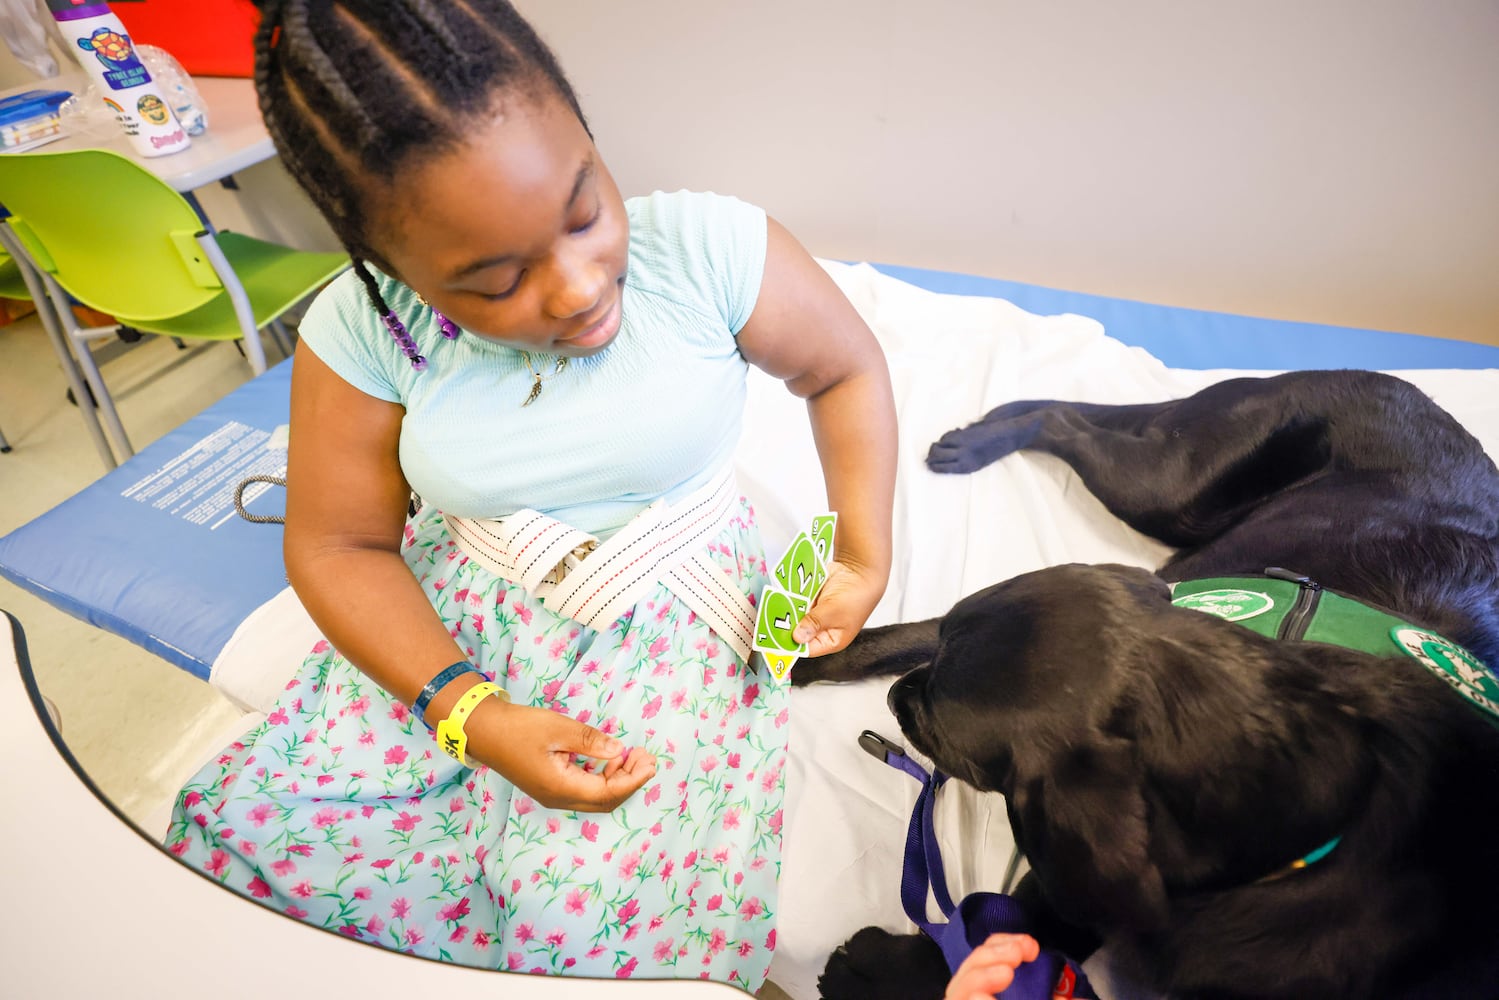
[1165, 769]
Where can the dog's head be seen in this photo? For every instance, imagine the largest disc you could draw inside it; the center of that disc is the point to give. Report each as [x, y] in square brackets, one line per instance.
[1138, 745]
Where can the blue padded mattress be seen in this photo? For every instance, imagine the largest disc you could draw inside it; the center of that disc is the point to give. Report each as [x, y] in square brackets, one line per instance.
[154, 551]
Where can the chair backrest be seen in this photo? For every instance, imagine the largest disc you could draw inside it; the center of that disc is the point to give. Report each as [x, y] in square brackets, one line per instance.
[12, 285]
[114, 235]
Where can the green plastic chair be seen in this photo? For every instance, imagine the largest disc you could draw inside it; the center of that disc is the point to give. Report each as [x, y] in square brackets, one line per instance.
[12, 286]
[18, 280]
[102, 228]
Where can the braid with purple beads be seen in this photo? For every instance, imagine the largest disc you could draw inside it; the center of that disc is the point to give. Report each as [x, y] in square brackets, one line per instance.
[408, 346]
[388, 315]
[357, 90]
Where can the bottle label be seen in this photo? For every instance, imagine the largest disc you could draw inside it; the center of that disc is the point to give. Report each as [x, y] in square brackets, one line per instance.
[122, 67]
[127, 88]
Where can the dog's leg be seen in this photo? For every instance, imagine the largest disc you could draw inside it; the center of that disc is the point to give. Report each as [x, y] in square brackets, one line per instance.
[1181, 470]
[876, 652]
[1013, 427]
[875, 965]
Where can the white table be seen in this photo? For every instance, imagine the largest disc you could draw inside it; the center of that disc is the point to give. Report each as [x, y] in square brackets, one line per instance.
[93, 909]
[236, 136]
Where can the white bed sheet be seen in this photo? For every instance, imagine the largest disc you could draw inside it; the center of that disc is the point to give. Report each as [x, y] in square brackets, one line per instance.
[952, 358]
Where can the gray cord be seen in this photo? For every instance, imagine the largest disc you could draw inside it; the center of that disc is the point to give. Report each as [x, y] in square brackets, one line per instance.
[239, 500]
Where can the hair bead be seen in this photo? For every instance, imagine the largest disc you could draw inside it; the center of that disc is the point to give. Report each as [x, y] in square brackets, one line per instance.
[448, 327]
[403, 340]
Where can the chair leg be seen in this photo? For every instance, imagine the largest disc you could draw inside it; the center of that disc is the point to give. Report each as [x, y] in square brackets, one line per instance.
[4, 444]
[281, 335]
[50, 312]
[78, 341]
[81, 391]
[107, 412]
[254, 350]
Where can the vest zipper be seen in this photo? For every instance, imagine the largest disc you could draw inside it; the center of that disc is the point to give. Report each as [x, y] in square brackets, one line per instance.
[1294, 625]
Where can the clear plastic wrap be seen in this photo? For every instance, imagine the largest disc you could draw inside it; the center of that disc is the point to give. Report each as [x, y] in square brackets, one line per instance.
[87, 116]
[177, 88]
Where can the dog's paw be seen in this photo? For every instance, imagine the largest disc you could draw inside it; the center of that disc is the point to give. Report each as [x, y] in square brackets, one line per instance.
[877, 965]
[970, 448]
[950, 455]
[1004, 430]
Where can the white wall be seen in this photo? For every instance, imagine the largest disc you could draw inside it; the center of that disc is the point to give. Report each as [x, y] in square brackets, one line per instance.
[1335, 160]
[1325, 160]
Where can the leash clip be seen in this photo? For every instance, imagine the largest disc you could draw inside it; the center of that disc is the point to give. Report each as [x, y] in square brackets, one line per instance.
[879, 748]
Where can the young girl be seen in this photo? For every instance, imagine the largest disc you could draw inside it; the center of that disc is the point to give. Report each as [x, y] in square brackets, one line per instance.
[559, 375]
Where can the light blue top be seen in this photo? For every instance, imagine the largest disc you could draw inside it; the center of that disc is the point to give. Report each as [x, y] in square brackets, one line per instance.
[655, 414]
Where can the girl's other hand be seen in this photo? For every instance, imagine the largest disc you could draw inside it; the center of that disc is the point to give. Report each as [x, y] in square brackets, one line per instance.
[842, 606]
[991, 967]
[537, 750]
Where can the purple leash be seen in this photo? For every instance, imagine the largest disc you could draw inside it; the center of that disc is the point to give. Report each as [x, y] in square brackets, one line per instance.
[970, 922]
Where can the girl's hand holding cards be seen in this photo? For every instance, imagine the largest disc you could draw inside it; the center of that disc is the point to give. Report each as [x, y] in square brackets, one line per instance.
[845, 602]
[817, 604]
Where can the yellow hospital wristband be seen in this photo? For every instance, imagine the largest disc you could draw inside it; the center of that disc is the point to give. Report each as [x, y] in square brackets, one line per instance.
[450, 735]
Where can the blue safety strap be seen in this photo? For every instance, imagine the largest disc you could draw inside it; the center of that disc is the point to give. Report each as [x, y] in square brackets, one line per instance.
[979, 914]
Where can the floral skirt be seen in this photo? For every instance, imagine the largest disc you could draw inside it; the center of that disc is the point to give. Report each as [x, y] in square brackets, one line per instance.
[340, 809]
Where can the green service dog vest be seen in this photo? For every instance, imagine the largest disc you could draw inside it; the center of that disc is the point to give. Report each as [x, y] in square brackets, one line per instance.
[1282, 605]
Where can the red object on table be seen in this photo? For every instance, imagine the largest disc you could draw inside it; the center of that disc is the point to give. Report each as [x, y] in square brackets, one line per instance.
[208, 37]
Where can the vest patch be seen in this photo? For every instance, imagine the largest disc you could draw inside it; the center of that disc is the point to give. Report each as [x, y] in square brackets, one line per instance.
[1453, 664]
[1230, 605]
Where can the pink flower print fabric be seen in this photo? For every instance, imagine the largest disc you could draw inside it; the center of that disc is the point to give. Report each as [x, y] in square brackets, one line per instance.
[341, 811]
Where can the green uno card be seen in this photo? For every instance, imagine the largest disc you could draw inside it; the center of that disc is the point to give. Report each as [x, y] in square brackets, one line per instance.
[823, 528]
[778, 615]
[800, 571]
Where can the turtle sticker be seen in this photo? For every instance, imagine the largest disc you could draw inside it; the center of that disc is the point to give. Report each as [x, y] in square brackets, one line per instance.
[1230, 605]
[1465, 672]
[122, 68]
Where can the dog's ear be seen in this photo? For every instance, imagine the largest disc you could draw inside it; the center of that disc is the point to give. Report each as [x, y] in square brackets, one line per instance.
[1080, 818]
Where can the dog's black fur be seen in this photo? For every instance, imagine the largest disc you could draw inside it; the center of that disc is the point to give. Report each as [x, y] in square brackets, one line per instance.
[1158, 763]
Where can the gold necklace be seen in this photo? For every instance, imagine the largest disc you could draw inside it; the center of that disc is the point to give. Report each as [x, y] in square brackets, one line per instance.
[539, 377]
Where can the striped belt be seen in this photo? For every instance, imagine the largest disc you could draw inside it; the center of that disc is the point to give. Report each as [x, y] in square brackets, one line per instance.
[575, 576]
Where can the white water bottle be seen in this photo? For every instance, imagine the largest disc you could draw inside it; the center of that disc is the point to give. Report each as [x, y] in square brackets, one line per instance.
[125, 83]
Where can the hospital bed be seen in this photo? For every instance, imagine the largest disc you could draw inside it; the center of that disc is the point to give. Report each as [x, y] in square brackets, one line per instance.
[155, 553]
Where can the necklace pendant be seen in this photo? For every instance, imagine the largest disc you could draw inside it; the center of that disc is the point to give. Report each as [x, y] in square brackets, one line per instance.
[538, 376]
[535, 391]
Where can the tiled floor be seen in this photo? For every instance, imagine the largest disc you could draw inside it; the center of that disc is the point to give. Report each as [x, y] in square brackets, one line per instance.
[138, 725]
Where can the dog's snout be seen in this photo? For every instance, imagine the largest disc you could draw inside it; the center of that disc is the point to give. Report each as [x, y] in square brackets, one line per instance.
[893, 696]
[890, 696]
[901, 694]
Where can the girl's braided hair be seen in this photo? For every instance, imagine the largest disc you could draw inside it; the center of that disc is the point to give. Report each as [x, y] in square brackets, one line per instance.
[354, 90]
